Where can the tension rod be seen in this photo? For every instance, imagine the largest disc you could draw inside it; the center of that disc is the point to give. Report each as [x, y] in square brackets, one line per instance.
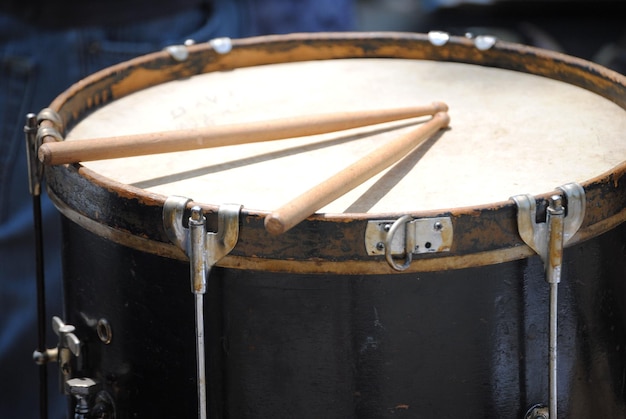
[34, 178]
[204, 249]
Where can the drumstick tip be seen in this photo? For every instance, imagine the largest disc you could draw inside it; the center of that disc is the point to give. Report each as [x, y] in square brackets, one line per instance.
[440, 106]
[274, 225]
[444, 118]
[44, 154]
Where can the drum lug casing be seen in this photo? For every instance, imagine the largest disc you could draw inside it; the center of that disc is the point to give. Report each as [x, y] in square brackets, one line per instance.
[408, 236]
[534, 234]
[204, 250]
[548, 240]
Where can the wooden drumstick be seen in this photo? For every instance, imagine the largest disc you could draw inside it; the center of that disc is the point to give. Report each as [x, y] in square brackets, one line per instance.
[315, 198]
[63, 152]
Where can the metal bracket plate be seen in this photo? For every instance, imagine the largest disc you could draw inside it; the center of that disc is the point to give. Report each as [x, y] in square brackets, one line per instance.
[535, 234]
[424, 235]
[407, 236]
[218, 244]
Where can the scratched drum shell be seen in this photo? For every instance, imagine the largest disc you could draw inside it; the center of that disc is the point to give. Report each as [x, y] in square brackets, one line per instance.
[315, 322]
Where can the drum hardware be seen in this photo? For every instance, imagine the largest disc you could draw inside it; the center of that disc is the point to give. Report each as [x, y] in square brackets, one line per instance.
[67, 349]
[83, 389]
[221, 45]
[484, 42]
[52, 117]
[438, 38]
[178, 52]
[204, 250]
[35, 175]
[548, 240]
[481, 42]
[91, 400]
[103, 329]
[69, 346]
[407, 236]
[62, 152]
[295, 211]
[484, 291]
[181, 52]
[101, 326]
[537, 412]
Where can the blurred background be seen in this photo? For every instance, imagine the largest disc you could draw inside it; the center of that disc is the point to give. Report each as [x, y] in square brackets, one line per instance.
[591, 29]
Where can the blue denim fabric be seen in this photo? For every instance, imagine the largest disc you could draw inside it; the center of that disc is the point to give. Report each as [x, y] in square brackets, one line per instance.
[288, 16]
[35, 66]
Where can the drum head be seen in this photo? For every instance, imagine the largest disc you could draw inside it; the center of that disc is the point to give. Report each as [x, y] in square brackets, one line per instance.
[523, 121]
[510, 133]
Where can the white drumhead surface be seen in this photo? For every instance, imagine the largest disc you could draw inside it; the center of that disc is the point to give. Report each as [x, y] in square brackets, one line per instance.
[510, 133]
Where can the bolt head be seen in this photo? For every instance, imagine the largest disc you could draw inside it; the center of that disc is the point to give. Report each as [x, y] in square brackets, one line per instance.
[81, 386]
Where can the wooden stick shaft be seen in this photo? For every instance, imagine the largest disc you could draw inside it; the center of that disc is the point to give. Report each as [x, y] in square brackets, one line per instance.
[63, 152]
[315, 198]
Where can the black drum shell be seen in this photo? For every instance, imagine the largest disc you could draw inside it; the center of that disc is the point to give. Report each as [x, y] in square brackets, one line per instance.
[461, 343]
[308, 324]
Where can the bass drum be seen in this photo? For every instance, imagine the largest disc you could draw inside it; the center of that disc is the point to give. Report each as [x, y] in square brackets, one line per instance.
[317, 322]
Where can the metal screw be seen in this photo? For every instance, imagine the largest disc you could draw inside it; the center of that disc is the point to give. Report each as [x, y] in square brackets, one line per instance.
[380, 246]
[387, 227]
[81, 386]
[557, 201]
[196, 213]
[438, 226]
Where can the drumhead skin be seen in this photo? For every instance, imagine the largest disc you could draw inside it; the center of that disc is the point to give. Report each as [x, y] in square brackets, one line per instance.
[312, 323]
[514, 130]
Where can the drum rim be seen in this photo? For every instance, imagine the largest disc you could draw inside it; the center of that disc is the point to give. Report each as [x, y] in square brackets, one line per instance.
[131, 76]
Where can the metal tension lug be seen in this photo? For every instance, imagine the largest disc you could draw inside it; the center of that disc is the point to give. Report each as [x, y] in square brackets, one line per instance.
[548, 240]
[407, 236]
[218, 244]
[204, 250]
[536, 235]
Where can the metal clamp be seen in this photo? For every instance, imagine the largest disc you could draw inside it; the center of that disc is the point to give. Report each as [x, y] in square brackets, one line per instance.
[204, 251]
[407, 236]
[217, 244]
[35, 167]
[51, 115]
[536, 234]
[548, 241]
[69, 347]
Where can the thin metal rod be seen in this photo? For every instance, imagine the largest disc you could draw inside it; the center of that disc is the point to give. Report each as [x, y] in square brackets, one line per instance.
[200, 362]
[198, 273]
[553, 349]
[41, 306]
[555, 220]
[34, 186]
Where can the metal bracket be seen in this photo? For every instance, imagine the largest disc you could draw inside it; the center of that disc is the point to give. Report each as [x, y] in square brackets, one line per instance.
[217, 244]
[548, 240]
[35, 167]
[204, 251]
[69, 345]
[536, 234]
[407, 236]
